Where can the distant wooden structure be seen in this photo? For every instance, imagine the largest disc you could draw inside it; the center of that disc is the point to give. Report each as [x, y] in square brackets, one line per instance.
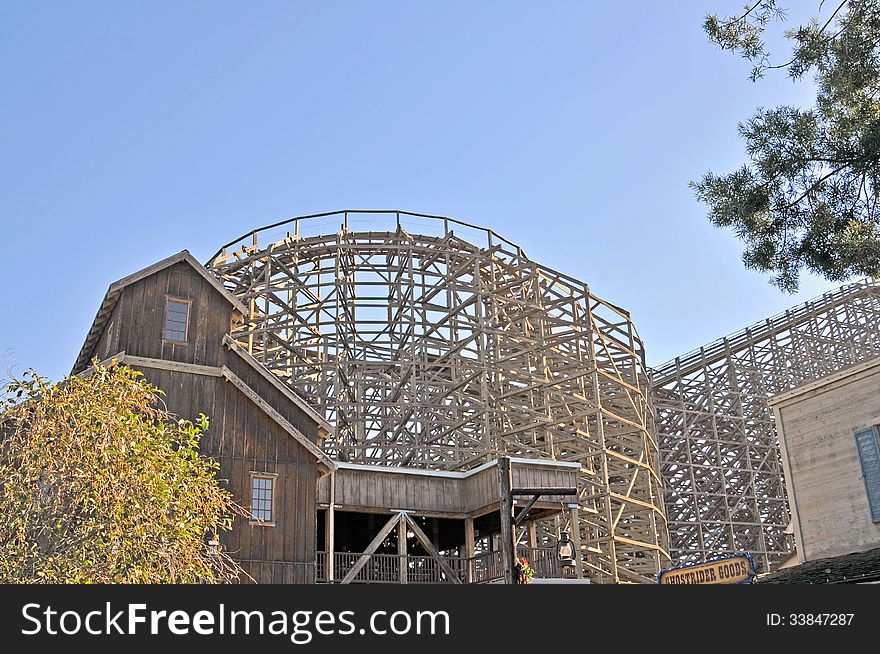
[720, 461]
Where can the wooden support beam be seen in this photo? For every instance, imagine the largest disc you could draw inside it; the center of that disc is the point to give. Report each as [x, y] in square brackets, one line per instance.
[173, 366]
[330, 530]
[429, 546]
[573, 522]
[402, 561]
[543, 491]
[532, 531]
[372, 547]
[505, 508]
[525, 510]
[469, 547]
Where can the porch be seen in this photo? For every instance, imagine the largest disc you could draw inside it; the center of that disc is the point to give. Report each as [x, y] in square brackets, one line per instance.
[401, 525]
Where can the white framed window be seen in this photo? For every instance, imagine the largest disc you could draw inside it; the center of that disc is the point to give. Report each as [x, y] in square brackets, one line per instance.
[263, 498]
[176, 325]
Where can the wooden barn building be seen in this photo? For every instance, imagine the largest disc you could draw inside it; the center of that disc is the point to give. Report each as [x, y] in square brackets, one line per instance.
[313, 519]
[172, 321]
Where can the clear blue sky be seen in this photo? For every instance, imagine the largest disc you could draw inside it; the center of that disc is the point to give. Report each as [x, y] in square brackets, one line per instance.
[132, 130]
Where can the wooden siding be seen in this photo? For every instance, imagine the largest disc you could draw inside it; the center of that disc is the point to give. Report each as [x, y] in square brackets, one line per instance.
[540, 475]
[482, 488]
[242, 437]
[139, 315]
[383, 491]
[826, 492]
[277, 399]
[454, 495]
[108, 343]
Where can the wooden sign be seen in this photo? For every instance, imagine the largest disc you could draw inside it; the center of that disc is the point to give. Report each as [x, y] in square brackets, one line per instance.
[737, 569]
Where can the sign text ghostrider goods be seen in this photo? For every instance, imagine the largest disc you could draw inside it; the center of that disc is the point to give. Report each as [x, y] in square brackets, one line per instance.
[731, 570]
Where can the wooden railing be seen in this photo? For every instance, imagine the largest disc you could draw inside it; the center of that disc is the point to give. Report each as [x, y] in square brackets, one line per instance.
[487, 567]
[385, 568]
[426, 569]
[479, 569]
[543, 560]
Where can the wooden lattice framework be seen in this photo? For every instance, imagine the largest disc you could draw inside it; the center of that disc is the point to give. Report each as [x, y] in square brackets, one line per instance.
[724, 486]
[432, 343]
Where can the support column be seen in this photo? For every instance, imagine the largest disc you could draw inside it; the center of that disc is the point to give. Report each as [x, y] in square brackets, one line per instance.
[532, 535]
[506, 510]
[469, 548]
[330, 530]
[402, 550]
[574, 527]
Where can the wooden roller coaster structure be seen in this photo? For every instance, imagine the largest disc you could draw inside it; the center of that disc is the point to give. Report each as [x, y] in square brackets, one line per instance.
[724, 486]
[432, 343]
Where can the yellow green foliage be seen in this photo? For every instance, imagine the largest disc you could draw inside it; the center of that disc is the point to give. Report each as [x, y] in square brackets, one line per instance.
[100, 484]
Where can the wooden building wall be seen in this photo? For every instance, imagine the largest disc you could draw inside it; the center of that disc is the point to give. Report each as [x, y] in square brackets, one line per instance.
[242, 437]
[374, 490]
[136, 323]
[270, 393]
[431, 493]
[822, 470]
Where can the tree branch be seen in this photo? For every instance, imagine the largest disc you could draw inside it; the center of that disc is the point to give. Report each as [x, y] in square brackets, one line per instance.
[814, 186]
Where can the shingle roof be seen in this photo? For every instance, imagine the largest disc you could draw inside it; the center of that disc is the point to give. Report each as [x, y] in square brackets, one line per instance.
[846, 569]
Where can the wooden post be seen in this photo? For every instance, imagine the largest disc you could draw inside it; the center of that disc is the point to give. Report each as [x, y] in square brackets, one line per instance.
[469, 548]
[330, 529]
[574, 526]
[505, 506]
[402, 550]
[532, 535]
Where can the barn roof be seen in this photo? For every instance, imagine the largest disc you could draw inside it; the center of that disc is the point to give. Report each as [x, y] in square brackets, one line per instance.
[116, 288]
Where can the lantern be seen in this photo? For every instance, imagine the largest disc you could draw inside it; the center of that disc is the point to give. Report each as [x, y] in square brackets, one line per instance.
[565, 550]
